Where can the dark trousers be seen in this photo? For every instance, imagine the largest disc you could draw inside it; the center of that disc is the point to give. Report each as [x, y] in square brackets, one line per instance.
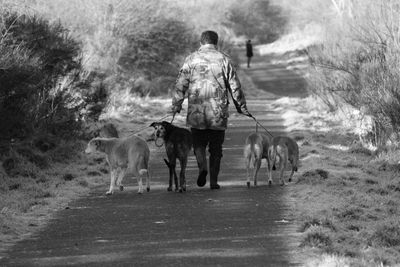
[214, 140]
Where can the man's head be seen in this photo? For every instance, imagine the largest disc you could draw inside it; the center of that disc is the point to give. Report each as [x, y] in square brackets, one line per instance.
[209, 37]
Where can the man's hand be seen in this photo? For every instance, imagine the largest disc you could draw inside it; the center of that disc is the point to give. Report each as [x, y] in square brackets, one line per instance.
[247, 113]
[174, 110]
[244, 112]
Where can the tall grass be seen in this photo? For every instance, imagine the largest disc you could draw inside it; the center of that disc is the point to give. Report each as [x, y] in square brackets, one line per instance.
[358, 63]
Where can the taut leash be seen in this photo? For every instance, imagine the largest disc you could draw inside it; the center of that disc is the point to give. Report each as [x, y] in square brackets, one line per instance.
[173, 117]
[258, 123]
[145, 127]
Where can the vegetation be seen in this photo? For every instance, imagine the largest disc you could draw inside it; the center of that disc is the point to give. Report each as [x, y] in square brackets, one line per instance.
[36, 56]
[357, 64]
[62, 65]
[259, 20]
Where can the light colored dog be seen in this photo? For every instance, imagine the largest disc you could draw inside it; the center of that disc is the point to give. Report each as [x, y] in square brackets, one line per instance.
[256, 149]
[124, 156]
[283, 149]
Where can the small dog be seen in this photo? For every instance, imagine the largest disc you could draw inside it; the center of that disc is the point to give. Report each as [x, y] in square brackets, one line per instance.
[124, 156]
[178, 143]
[256, 149]
[284, 149]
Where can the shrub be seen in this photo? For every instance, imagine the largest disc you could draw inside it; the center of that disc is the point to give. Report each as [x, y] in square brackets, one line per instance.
[258, 20]
[34, 56]
[358, 65]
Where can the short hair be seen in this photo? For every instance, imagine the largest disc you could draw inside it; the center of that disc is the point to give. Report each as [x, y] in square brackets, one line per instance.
[209, 37]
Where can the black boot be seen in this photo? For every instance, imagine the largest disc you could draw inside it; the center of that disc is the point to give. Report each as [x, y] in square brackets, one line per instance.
[202, 164]
[214, 171]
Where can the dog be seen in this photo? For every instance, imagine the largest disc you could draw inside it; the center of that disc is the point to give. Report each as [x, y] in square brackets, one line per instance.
[178, 143]
[285, 149]
[124, 156]
[108, 130]
[256, 149]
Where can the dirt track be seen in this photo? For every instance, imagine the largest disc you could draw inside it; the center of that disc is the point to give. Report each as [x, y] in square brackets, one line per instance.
[234, 226]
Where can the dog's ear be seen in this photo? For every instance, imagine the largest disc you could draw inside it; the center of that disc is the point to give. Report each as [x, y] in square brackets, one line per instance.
[97, 143]
[153, 125]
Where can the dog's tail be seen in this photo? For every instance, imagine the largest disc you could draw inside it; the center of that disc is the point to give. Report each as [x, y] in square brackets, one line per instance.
[143, 171]
[272, 156]
[251, 152]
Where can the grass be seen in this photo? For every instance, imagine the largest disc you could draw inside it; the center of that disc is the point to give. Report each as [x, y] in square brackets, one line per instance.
[38, 183]
[40, 177]
[346, 196]
[347, 205]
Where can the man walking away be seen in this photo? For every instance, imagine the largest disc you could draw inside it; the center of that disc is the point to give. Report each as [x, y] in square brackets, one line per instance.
[249, 52]
[208, 77]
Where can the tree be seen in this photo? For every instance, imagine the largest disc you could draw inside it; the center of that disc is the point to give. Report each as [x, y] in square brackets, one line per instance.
[258, 20]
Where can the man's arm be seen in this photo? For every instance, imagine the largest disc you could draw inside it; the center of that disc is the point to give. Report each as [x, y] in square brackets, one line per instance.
[181, 86]
[235, 89]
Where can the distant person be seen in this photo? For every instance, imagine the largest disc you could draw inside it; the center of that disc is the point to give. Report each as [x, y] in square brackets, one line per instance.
[249, 52]
[208, 78]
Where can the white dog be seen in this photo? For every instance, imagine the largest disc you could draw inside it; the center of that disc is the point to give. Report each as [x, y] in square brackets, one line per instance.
[124, 156]
[256, 149]
[283, 149]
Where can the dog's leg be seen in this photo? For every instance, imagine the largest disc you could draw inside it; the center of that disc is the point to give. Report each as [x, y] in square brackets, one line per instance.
[291, 175]
[257, 165]
[112, 182]
[272, 157]
[282, 167]
[292, 170]
[283, 159]
[141, 172]
[140, 184]
[176, 179]
[248, 162]
[182, 179]
[119, 179]
[294, 161]
[171, 173]
[148, 180]
[268, 168]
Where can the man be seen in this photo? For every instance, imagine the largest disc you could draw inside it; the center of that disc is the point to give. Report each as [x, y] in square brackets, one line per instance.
[249, 52]
[208, 77]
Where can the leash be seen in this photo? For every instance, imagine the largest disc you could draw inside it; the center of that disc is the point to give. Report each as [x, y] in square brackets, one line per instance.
[259, 124]
[173, 117]
[145, 127]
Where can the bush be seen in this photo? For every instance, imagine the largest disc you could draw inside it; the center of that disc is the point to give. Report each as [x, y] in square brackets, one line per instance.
[259, 20]
[358, 65]
[34, 57]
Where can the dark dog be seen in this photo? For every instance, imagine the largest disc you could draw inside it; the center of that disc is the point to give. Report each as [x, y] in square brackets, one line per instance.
[178, 142]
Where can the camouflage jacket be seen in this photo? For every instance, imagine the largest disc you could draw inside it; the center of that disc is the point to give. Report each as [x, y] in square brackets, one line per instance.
[208, 77]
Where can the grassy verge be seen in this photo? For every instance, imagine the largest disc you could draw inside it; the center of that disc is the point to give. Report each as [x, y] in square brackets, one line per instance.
[347, 198]
[35, 184]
